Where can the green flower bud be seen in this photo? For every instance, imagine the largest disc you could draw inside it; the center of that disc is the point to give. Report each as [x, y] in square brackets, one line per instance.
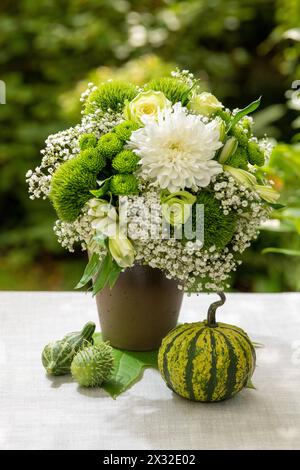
[255, 154]
[243, 176]
[222, 129]
[87, 140]
[109, 145]
[228, 149]
[267, 193]
[121, 250]
[125, 162]
[124, 184]
[125, 129]
[92, 160]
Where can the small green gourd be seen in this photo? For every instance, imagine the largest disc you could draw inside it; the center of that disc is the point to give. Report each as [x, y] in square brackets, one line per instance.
[58, 355]
[93, 365]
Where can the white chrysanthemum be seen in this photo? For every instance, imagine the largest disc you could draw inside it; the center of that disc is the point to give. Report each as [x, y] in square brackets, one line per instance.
[177, 149]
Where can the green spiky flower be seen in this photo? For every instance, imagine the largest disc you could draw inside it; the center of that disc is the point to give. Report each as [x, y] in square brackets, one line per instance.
[255, 154]
[92, 160]
[110, 95]
[109, 145]
[239, 159]
[121, 185]
[218, 228]
[173, 89]
[93, 365]
[70, 189]
[125, 129]
[246, 122]
[87, 141]
[241, 134]
[125, 162]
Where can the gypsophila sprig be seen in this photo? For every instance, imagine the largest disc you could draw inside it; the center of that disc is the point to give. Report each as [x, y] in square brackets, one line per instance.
[163, 175]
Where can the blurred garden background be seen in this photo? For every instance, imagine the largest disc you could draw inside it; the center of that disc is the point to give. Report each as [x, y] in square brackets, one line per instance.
[51, 49]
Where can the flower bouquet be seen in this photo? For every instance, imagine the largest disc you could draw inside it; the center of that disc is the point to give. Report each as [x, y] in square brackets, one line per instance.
[162, 178]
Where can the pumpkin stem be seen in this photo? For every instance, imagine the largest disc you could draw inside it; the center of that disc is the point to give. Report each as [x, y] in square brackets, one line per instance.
[211, 314]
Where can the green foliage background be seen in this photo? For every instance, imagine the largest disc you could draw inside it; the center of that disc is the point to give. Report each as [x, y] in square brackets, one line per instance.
[50, 49]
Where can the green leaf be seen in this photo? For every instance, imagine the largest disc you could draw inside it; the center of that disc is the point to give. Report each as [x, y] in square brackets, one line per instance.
[185, 97]
[276, 206]
[128, 368]
[243, 112]
[100, 240]
[283, 251]
[104, 187]
[90, 271]
[114, 274]
[103, 276]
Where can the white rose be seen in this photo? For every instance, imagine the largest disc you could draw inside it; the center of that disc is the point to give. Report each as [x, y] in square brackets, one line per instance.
[146, 103]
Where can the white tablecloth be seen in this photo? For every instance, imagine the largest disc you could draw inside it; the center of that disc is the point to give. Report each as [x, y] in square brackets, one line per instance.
[37, 412]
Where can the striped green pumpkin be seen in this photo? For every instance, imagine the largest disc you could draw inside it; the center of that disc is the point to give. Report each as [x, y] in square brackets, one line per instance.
[58, 355]
[207, 361]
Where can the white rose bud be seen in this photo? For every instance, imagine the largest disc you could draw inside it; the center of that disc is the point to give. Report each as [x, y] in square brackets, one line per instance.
[242, 176]
[146, 103]
[121, 250]
[205, 104]
[228, 149]
[267, 193]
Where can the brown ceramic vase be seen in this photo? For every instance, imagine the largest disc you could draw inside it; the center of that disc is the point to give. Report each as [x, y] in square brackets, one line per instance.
[140, 310]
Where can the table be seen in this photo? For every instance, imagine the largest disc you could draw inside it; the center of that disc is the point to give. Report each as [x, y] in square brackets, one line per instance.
[37, 412]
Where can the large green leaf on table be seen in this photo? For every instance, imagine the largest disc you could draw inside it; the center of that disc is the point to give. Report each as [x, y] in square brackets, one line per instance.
[128, 368]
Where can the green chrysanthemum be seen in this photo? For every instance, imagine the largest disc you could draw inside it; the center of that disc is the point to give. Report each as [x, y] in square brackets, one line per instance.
[121, 185]
[124, 130]
[87, 140]
[109, 145]
[70, 189]
[125, 162]
[238, 159]
[172, 88]
[218, 228]
[246, 122]
[92, 160]
[93, 365]
[110, 95]
[241, 134]
[255, 154]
